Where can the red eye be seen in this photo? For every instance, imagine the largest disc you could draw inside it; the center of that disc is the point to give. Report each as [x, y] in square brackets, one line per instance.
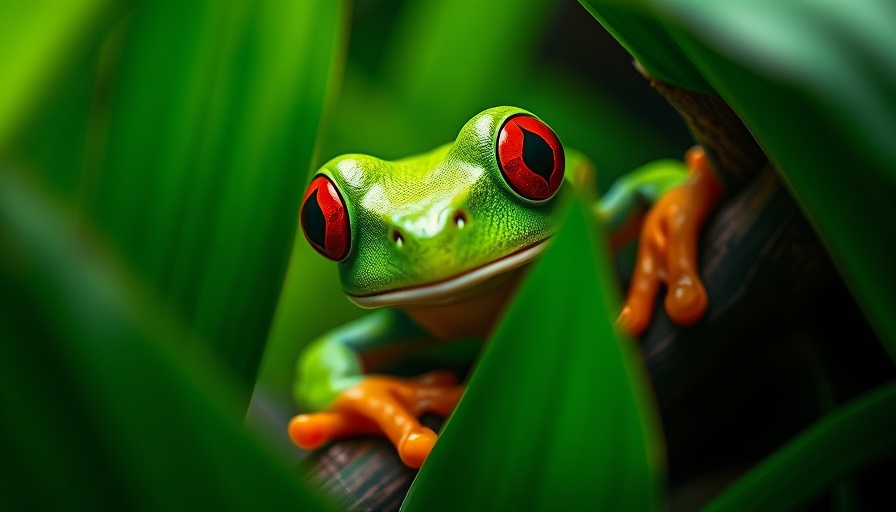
[325, 219]
[530, 157]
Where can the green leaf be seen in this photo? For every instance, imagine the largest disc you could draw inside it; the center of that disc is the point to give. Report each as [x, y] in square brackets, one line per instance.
[557, 414]
[106, 407]
[49, 64]
[40, 39]
[208, 136]
[846, 441]
[437, 73]
[813, 81]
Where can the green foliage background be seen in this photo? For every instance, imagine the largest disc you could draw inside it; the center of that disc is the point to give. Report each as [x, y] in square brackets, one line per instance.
[152, 160]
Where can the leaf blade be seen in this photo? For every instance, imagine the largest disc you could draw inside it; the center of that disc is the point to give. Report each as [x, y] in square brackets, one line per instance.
[556, 414]
[211, 132]
[111, 408]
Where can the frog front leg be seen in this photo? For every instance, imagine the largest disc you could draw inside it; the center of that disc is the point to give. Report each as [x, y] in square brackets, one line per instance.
[667, 250]
[331, 378]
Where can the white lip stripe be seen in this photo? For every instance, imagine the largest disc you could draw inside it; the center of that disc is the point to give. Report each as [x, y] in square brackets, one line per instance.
[444, 291]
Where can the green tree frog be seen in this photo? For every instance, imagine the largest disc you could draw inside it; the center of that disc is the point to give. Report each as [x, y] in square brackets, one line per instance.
[439, 242]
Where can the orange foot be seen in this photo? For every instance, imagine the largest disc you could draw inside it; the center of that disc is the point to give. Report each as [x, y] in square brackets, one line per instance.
[386, 406]
[667, 250]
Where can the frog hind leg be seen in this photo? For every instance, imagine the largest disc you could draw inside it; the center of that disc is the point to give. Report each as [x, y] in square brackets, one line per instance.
[667, 250]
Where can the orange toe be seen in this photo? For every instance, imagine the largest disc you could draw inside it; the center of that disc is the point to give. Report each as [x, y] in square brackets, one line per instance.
[307, 431]
[686, 303]
[632, 320]
[416, 447]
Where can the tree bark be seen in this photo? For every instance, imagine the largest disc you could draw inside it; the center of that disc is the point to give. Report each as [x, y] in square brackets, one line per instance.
[733, 152]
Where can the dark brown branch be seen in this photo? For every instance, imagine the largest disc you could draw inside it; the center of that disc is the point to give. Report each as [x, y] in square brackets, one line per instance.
[732, 150]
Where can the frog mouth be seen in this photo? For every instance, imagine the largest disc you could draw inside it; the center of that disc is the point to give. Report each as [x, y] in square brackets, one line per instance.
[453, 289]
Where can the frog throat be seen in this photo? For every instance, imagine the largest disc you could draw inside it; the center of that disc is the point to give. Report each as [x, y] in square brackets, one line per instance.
[450, 290]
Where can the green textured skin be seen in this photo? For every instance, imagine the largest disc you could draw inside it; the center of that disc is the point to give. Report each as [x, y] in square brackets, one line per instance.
[331, 363]
[646, 185]
[419, 196]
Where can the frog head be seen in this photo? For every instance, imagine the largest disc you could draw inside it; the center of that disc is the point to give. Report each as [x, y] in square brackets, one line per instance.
[429, 229]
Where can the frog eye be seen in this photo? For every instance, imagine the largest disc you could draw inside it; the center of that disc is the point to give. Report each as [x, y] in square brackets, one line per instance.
[325, 219]
[530, 157]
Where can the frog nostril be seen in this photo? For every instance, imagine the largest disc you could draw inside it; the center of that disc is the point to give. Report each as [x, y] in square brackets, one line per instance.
[460, 219]
[397, 238]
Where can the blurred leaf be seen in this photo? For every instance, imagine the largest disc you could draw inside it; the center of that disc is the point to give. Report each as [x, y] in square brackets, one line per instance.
[557, 414]
[850, 439]
[311, 303]
[105, 407]
[211, 126]
[829, 66]
[52, 88]
[40, 41]
[813, 81]
[430, 82]
[450, 59]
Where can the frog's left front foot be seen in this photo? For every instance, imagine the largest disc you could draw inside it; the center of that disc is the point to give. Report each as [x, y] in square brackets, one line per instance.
[667, 250]
[383, 405]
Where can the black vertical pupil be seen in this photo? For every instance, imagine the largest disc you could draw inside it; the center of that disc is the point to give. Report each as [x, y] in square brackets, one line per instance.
[313, 221]
[537, 154]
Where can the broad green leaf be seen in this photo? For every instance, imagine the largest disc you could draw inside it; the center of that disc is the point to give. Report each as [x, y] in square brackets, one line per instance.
[41, 39]
[208, 136]
[105, 406]
[849, 439]
[814, 82]
[450, 59]
[557, 414]
[49, 65]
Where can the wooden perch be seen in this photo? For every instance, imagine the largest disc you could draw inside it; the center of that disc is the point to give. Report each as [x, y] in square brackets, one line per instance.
[733, 152]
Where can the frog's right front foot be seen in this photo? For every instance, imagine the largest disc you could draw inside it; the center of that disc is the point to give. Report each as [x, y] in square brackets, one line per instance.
[383, 405]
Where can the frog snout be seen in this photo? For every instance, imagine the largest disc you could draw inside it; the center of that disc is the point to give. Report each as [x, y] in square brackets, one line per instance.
[436, 229]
